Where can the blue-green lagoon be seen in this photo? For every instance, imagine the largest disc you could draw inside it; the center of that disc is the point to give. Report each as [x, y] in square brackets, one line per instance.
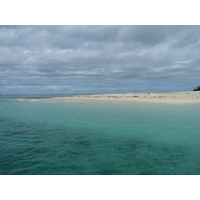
[97, 138]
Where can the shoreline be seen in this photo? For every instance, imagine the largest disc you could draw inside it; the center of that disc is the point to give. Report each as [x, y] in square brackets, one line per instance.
[188, 97]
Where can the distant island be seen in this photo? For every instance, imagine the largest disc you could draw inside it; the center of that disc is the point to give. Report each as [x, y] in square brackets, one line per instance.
[1, 94]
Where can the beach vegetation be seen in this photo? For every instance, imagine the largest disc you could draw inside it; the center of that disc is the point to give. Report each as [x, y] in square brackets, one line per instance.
[197, 88]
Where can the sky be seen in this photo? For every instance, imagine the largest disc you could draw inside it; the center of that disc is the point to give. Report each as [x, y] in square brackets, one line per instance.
[92, 59]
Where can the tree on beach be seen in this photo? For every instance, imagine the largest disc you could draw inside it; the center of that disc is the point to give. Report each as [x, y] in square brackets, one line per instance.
[197, 88]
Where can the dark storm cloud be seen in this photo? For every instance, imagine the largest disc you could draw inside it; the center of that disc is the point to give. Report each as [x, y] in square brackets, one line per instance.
[101, 58]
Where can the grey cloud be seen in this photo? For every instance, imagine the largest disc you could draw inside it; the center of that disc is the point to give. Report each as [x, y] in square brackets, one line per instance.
[105, 58]
[150, 35]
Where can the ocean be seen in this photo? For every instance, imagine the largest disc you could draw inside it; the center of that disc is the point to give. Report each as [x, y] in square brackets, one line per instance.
[97, 138]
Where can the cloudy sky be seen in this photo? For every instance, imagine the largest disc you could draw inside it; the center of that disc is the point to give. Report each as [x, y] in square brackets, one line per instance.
[98, 59]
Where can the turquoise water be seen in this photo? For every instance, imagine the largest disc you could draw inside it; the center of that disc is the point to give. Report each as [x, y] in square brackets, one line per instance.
[44, 137]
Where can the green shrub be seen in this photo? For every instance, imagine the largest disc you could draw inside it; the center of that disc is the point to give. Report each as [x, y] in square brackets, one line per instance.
[197, 88]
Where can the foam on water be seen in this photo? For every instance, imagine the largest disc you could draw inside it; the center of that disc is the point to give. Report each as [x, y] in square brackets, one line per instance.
[50, 137]
[19, 99]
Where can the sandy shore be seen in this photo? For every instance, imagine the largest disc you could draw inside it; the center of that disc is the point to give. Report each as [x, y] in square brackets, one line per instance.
[173, 97]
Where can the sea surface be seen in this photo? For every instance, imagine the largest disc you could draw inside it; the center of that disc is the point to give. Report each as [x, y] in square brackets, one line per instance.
[103, 138]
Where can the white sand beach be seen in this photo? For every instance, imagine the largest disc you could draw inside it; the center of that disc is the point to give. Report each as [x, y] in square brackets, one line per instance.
[172, 97]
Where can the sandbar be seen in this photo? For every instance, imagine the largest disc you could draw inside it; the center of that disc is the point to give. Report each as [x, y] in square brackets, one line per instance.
[187, 97]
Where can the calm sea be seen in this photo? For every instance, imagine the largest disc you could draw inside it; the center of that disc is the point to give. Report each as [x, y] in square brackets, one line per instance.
[77, 138]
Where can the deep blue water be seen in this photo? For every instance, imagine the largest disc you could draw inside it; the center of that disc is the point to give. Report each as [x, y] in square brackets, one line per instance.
[97, 138]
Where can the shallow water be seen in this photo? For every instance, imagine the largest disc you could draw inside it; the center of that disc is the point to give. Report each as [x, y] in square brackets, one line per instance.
[42, 137]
